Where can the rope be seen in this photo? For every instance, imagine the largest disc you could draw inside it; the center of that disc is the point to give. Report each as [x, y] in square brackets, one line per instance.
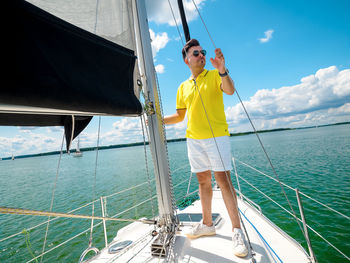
[20, 211]
[142, 120]
[29, 245]
[257, 231]
[52, 198]
[296, 218]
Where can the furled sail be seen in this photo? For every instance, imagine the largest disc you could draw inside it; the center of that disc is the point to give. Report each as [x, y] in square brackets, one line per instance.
[62, 69]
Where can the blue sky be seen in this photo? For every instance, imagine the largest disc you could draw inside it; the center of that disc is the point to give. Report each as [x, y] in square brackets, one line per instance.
[290, 61]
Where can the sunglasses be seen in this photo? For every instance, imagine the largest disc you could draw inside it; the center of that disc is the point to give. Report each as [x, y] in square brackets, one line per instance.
[196, 52]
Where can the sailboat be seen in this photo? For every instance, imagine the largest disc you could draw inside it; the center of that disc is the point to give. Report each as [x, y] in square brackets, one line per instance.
[97, 68]
[77, 152]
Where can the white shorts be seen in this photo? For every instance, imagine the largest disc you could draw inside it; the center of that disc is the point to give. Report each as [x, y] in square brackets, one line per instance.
[203, 154]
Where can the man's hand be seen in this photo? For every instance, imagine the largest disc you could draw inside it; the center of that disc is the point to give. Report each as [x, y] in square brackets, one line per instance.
[219, 61]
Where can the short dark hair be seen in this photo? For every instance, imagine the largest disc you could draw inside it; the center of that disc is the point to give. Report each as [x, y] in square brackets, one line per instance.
[190, 43]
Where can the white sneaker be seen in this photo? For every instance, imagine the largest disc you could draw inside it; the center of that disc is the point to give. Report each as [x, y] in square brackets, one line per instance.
[239, 246]
[201, 229]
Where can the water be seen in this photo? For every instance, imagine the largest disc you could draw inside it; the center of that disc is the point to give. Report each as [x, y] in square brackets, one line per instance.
[316, 161]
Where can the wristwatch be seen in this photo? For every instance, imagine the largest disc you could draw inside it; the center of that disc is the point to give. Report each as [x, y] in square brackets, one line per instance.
[224, 74]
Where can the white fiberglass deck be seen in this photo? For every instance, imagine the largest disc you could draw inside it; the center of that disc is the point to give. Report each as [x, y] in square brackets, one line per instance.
[269, 243]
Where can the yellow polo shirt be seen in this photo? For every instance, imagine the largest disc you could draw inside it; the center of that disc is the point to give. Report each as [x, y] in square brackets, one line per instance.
[188, 98]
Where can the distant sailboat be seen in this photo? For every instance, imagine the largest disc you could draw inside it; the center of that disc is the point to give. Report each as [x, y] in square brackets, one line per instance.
[13, 157]
[77, 152]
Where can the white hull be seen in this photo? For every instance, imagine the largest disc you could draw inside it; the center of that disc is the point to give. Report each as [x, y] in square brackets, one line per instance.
[77, 154]
[269, 243]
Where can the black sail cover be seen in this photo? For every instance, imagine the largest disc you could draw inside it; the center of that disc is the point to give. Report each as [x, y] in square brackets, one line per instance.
[60, 66]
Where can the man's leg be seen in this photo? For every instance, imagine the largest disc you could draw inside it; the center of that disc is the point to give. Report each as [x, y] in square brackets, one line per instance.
[206, 195]
[230, 199]
[229, 196]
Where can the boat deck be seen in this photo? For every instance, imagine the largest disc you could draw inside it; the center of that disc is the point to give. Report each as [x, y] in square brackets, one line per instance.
[269, 243]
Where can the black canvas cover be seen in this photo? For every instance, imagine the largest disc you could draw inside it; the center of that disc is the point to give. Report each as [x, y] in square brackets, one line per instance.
[61, 66]
[80, 123]
[57, 65]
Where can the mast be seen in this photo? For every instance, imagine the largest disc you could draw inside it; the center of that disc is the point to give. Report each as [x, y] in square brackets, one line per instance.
[167, 222]
[183, 20]
[155, 120]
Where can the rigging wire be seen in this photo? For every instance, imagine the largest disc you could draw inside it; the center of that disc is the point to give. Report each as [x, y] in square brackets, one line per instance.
[212, 41]
[211, 129]
[52, 197]
[97, 146]
[200, 96]
[94, 184]
[255, 131]
[177, 26]
[166, 146]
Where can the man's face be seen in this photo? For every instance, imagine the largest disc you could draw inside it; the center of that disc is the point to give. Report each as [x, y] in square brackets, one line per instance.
[195, 61]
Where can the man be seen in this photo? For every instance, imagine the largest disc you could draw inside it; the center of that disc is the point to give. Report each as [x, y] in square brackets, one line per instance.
[201, 96]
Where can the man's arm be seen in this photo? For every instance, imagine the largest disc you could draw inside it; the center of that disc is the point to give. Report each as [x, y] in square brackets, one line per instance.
[218, 62]
[227, 85]
[176, 117]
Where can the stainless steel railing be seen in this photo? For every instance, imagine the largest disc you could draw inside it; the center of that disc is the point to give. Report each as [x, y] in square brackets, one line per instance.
[188, 180]
[298, 193]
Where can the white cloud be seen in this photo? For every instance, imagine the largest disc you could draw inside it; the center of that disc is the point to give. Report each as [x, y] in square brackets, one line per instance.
[55, 129]
[27, 129]
[315, 118]
[322, 97]
[159, 11]
[159, 41]
[125, 130]
[160, 68]
[29, 143]
[268, 36]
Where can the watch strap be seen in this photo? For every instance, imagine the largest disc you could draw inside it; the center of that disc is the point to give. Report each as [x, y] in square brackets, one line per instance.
[224, 74]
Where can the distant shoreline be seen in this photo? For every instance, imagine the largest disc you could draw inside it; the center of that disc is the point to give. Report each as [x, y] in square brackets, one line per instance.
[169, 141]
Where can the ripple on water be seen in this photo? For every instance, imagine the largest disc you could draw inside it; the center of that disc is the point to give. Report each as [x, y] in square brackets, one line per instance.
[314, 160]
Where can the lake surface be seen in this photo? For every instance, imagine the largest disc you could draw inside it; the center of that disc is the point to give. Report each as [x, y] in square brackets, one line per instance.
[315, 160]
